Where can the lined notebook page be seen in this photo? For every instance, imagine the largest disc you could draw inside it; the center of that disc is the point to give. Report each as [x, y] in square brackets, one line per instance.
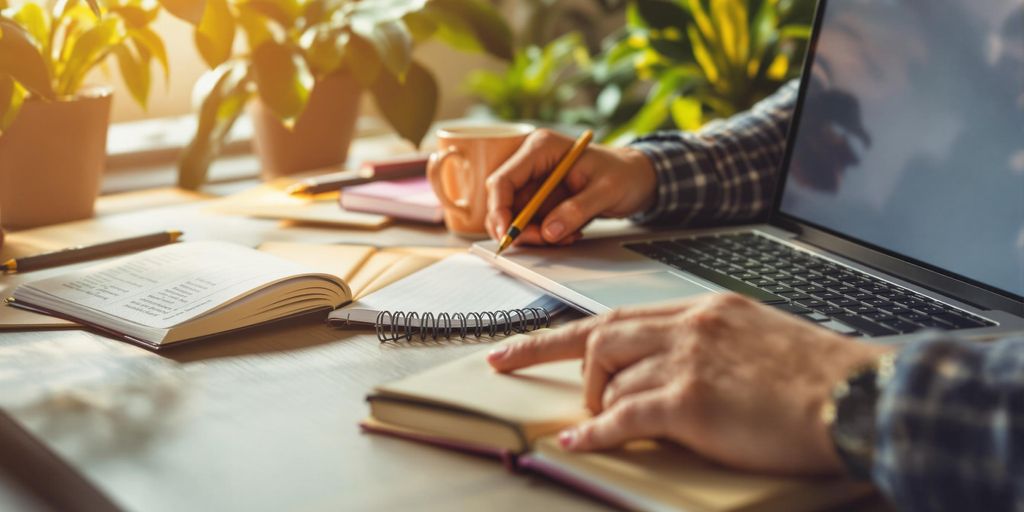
[462, 283]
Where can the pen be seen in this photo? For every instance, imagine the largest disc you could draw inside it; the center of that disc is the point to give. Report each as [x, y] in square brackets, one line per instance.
[390, 169]
[89, 252]
[546, 188]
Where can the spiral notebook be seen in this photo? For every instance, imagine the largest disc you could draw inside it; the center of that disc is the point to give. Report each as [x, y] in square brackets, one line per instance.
[461, 296]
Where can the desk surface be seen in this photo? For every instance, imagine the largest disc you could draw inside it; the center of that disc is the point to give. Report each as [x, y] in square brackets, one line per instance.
[265, 420]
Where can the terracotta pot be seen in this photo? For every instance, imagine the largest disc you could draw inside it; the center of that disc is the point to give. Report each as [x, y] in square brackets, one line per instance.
[321, 135]
[52, 158]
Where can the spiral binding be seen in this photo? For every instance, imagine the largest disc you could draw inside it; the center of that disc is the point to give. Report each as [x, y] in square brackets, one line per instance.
[403, 325]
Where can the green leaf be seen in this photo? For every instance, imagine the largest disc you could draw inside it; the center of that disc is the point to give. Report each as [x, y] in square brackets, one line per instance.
[95, 6]
[88, 51]
[188, 10]
[422, 25]
[282, 80]
[224, 93]
[409, 106]
[34, 20]
[687, 113]
[146, 38]
[255, 25]
[362, 60]
[655, 112]
[21, 59]
[135, 16]
[12, 96]
[215, 35]
[661, 14]
[285, 12]
[391, 39]
[472, 25]
[135, 72]
[383, 10]
[795, 32]
[325, 49]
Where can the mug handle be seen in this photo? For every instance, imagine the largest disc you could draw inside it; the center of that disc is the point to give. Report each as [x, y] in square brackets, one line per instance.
[435, 167]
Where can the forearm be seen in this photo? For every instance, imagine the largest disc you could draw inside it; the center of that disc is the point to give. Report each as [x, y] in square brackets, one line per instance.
[726, 172]
[950, 429]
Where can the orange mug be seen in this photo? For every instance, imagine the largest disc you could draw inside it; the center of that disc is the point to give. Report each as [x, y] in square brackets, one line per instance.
[466, 155]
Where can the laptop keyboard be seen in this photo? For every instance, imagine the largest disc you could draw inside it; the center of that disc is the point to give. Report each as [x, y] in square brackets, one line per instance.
[838, 297]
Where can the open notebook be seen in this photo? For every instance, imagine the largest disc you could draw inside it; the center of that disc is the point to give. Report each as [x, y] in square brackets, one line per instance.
[465, 405]
[459, 296]
[184, 291]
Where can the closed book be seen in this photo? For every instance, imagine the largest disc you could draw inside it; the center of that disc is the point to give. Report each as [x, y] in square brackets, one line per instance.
[465, 405]
[411, 199]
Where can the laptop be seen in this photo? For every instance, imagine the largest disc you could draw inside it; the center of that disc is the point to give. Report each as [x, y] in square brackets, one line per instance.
[900, 202]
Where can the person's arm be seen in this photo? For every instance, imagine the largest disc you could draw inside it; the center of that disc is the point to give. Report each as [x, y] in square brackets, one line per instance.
[950, 426]
[747, 385]
[724, 173]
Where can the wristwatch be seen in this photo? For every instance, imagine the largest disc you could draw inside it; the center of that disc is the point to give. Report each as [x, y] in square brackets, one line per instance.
[850, 414]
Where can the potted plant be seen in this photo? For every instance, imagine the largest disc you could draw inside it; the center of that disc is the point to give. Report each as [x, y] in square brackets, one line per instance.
[307, 62]
[675, 64]
[680, 63]
[52, 126]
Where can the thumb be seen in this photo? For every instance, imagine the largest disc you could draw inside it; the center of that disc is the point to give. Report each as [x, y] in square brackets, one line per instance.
[575, 212]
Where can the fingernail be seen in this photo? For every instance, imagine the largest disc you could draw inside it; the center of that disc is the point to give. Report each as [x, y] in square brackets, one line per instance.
[497, 354]
[501, 230]
[568, 438]
[555, 230]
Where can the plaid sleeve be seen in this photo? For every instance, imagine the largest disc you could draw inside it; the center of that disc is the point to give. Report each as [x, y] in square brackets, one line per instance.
[951, 427]
[726, 172]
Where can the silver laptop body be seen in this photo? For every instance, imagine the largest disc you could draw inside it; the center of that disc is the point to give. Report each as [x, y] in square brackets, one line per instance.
[931, 207]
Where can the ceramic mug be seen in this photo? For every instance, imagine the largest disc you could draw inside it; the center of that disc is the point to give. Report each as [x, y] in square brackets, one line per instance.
[466, 155]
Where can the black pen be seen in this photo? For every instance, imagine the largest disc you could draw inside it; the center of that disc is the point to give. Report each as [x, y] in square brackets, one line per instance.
[89, 252]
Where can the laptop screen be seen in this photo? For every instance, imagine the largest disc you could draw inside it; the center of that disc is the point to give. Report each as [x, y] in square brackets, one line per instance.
[911, 136]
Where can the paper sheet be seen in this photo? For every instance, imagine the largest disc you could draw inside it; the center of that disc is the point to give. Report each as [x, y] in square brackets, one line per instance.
[462, 283]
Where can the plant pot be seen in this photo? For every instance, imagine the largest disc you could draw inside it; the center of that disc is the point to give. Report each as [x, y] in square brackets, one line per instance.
[321, 135]
[52, 158]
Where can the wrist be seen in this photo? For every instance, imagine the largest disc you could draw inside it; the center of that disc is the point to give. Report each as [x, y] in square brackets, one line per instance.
[848, 415]
[643, 185]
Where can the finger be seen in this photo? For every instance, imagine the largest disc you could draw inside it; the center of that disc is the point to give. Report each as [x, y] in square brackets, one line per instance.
[575, 212]
[611, 348]
[569, 342]
[497, 223]
[640, 416]
[642, 376]
[537, 155]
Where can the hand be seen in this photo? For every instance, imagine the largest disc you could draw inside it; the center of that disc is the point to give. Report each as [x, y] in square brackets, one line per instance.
[732, 379]
[605, 181]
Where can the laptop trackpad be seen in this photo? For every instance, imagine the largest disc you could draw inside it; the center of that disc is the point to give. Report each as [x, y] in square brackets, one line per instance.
[638, 288]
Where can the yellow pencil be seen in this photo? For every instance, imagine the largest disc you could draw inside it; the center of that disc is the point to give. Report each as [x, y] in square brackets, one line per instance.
[546, 188]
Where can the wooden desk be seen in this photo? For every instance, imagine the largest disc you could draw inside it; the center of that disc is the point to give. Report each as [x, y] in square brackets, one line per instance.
[256, 421]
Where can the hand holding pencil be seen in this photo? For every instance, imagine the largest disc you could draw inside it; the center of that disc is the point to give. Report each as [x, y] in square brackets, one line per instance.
[609, 182]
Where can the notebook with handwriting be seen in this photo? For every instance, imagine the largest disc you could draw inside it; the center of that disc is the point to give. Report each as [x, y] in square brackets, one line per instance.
[184, 291]
[460, 296]
[465, 405]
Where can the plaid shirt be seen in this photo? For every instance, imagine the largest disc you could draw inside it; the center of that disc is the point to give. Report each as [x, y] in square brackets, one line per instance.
[951, 422]
[724, 173]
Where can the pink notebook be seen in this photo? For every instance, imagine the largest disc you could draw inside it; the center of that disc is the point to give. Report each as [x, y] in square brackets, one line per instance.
[411, 199]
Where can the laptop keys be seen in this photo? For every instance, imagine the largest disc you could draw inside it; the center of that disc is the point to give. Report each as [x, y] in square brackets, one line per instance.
[837, 297]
